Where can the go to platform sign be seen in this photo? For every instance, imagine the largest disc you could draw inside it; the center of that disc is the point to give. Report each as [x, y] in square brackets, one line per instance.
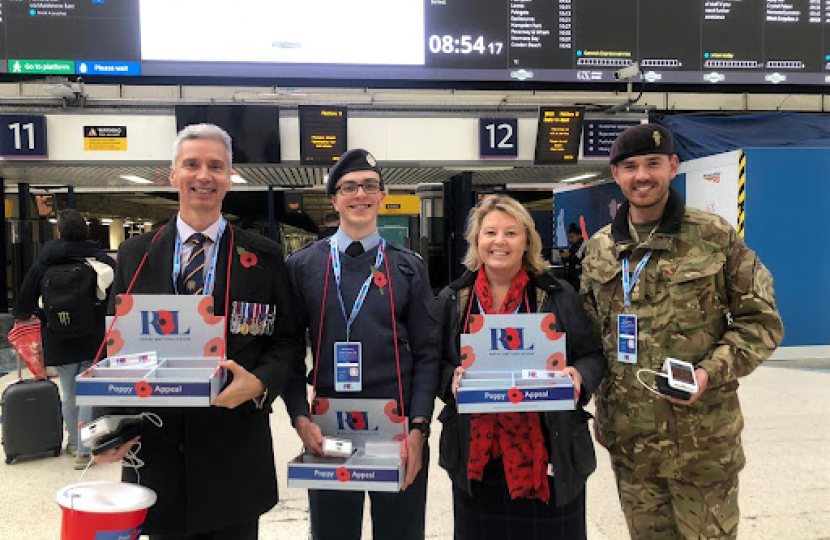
[498, 137]
[23, 136]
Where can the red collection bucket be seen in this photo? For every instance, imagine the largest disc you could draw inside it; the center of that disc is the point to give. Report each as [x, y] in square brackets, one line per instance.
[103, 510]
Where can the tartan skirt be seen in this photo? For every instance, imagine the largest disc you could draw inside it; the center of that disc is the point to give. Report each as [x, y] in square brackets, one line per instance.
[490, 514]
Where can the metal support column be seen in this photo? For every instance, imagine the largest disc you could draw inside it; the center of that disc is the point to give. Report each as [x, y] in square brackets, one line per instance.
[272, 227]
[458, 197]
[27, 243]
[70, 197]
[4, 290]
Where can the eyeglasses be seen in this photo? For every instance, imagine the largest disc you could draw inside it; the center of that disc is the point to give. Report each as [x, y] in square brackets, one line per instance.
[350, 188]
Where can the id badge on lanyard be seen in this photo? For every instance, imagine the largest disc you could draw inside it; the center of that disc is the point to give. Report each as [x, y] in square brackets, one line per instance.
[348, 366]
[348, 355]
[626, 322]
[627, 338]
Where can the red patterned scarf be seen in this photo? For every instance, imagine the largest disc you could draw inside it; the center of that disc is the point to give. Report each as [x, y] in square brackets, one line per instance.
[515, 437]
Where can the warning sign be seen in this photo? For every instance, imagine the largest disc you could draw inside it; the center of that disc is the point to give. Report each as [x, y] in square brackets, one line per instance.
[105, 138]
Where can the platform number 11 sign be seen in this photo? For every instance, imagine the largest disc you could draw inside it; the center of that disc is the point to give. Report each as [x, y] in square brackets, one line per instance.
[498, 138]
[23, 136]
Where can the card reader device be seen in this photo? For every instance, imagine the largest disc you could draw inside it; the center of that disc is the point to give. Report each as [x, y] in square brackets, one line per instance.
[678, 379]
[334, 447]
[111, 431]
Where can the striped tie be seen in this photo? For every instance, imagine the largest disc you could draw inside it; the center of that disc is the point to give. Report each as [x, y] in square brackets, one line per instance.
[193, 276]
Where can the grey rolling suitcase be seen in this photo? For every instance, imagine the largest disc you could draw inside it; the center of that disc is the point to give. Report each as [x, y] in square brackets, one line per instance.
[32, 419]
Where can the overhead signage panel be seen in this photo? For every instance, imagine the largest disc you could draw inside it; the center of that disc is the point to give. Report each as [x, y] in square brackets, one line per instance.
[557, 140]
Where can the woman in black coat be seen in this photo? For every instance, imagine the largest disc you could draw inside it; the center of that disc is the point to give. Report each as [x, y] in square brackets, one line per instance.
[70, 355]
[501, 464]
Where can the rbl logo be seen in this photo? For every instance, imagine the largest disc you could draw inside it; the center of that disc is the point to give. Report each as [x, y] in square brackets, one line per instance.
[354, 420]
[164, 323]
[511, 339]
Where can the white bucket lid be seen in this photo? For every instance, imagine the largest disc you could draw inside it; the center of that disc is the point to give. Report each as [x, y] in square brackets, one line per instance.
[106, 497]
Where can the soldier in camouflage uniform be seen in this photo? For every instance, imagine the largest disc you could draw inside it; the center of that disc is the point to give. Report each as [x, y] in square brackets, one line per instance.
[702, 297]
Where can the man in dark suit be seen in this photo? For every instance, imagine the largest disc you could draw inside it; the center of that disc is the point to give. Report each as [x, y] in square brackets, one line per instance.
[213, 468]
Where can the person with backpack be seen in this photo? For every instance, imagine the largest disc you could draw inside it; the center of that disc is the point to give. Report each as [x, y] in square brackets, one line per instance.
[66, 288]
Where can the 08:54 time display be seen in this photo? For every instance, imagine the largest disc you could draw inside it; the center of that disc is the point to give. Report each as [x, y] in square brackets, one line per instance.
[463, 45]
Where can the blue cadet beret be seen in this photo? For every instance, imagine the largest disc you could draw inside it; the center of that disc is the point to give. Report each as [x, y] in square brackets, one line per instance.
[642, 140]
[353, 160]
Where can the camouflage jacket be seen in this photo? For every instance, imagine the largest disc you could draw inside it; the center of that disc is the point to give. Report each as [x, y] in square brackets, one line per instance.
[700, 277]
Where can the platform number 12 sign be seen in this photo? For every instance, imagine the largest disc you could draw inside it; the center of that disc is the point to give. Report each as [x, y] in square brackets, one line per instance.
[498, 137]
[23, 136]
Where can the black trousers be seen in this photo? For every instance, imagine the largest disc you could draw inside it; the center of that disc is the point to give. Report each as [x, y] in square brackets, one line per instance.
[338, 515]
[248, 530]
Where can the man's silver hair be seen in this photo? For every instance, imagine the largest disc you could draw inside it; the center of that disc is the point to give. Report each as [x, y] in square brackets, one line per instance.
[202, 131]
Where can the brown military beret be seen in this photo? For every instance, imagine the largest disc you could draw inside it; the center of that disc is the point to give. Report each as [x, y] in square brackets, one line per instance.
[353, 160]
[642, 140]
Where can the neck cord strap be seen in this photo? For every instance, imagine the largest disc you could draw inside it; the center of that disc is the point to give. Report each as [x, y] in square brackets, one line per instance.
[320, 335]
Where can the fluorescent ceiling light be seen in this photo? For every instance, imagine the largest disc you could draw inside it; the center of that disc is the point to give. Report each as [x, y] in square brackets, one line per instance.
[106, 221]
[236, 179]
[136, 179]
[53, 220]
[478, 168]
[580, 177]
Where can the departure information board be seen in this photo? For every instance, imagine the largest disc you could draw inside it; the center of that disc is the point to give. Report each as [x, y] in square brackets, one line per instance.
[701, 42]
[558, 136]
[322, 134]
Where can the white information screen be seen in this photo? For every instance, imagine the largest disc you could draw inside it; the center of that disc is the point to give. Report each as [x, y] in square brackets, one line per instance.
[293, 31]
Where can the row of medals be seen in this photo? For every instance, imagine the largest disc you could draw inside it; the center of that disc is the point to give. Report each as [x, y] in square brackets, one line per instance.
[254, 319]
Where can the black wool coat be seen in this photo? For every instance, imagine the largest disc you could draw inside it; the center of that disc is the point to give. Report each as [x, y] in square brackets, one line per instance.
[213, 467]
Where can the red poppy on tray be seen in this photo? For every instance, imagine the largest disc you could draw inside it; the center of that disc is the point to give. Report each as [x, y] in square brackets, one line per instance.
[357, 421]
[123, 304]
[476, 323]
[549, 328]
[165, 322]
[556, 362]
[319, 406]
[515, 395]
[114, 343]
[143, 389]
[215, 347]
[206, 311]
[343, 474]
[468, 357]
[512, 338]
[391, 410]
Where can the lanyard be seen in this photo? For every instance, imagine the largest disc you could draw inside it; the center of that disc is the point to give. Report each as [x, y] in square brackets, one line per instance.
[361, 295]
[211, 269]
[628, 281]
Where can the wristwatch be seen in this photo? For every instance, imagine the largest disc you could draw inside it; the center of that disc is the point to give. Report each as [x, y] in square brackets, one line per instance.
[422, 426]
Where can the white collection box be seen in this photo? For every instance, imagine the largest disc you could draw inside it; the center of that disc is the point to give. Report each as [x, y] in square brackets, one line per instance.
[163, 351]
[375, 429]
[513, 363]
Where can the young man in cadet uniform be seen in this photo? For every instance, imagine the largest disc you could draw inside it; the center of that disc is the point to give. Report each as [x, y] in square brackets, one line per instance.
[356, 313]
[696, 293]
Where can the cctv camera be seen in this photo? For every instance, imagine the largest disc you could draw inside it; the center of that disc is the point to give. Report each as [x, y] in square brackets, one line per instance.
[628, 72]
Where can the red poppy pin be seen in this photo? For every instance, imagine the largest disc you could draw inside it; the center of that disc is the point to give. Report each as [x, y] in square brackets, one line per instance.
[247, 258]
[343, 474]
[515, 395]
[379, 279]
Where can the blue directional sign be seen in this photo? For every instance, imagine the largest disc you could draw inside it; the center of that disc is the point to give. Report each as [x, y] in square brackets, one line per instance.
[498, 137]
[599, 135]
[90, 67]
[23, 136]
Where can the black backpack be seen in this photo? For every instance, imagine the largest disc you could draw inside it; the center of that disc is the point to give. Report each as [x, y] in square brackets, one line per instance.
[69, 298]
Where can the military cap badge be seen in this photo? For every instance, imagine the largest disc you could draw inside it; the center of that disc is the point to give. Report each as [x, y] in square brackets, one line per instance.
[656, 136]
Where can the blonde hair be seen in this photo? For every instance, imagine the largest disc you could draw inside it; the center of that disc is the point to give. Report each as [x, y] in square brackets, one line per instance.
[532, 259]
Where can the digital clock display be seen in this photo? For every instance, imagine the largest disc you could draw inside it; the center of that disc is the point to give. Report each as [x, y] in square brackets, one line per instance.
[704, 43]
